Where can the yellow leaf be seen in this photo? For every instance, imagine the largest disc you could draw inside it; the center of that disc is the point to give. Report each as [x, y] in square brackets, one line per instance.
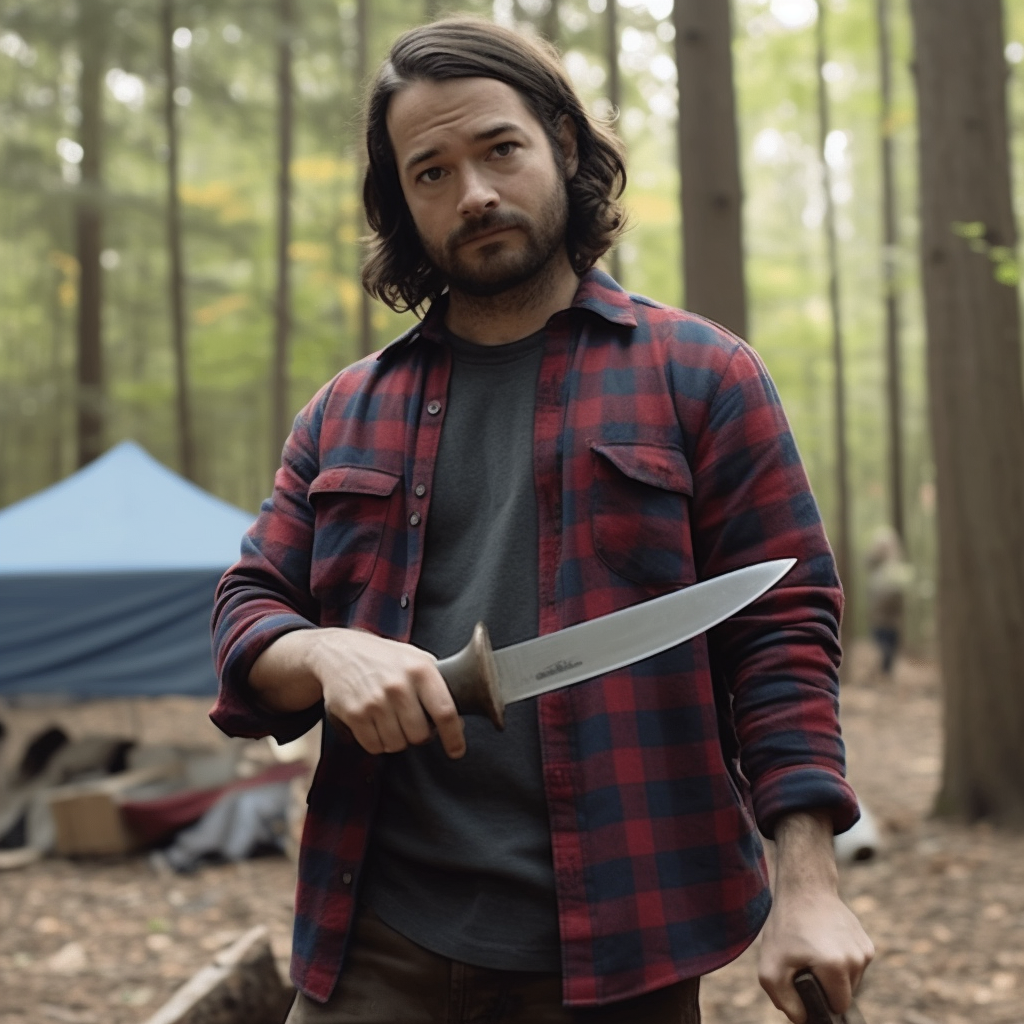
[215, 311]
[318, 168]
[209, 196]
[64, 262]
[348, 294]
[308, 252]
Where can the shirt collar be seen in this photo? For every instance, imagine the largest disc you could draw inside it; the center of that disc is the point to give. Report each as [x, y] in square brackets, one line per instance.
[603, 295]
[598, 292]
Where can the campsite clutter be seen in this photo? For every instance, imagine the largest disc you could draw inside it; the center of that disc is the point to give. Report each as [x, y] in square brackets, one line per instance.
[106, 589]
[96, 795]
[209, 806]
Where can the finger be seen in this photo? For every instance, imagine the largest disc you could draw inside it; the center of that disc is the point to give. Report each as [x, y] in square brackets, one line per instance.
[790, 1002]
[389, 728]
[437, 701]
[857, 975]
[366, 735]
[412, 718]
[776, 980]
[837, 985]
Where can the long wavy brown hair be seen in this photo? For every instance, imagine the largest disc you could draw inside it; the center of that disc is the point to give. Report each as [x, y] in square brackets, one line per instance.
[397, 270]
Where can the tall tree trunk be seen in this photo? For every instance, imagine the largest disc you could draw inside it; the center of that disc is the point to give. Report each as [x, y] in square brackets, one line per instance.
[843, 546]
[968, 243]
[92, 34]
[611, 39]
[282, 301]
[710, 192]
[551, 27]
[176, 282]
[56, 417]
[432, 9]
[893, 387]
[366, 340]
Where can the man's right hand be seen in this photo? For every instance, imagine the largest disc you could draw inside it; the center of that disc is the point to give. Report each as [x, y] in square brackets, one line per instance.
[389, 694]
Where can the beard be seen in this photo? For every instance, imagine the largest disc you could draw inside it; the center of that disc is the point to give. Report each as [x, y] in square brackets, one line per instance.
[493, 268]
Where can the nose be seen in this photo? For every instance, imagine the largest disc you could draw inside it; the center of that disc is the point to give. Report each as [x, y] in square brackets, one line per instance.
[478, 195]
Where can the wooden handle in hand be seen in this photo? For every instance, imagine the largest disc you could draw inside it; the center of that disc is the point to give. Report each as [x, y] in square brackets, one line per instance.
[472, 678]
[816, 1002]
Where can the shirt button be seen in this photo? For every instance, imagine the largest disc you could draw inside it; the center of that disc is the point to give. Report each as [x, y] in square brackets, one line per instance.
[420, 490]
[433, 407]
[404, 601]
[347, 878]
[414, 519]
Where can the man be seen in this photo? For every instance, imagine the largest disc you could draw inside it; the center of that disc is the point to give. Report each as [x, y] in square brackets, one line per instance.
[542, 449]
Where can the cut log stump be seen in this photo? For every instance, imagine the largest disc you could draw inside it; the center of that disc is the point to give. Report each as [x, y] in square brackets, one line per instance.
[241, 986]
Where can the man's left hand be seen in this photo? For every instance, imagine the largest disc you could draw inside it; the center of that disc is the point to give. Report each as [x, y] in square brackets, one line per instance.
[809, 925]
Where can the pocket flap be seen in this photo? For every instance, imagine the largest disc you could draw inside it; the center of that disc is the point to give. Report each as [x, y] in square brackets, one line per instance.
[663, 466]
[354, 480]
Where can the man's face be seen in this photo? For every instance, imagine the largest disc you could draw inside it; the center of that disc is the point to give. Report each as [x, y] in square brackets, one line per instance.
[484, 189]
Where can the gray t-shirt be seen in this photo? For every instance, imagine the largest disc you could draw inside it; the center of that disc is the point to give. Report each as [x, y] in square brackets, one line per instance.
[461, 856]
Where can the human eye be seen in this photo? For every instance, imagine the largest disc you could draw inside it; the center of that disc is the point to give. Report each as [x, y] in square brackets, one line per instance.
[430, 175]
[506, 148]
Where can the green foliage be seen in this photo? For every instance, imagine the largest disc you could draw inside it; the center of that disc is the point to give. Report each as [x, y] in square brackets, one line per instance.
[227, 104]
[1006, 269]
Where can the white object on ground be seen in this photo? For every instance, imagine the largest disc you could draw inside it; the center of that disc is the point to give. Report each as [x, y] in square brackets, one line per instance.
[862, 842]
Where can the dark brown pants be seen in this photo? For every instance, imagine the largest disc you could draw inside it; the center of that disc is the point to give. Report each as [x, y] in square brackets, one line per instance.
[389, 980]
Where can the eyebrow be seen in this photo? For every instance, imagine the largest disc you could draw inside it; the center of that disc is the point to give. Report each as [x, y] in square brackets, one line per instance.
[489, 133]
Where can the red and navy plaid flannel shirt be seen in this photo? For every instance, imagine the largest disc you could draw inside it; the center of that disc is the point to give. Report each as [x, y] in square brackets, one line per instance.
[662, 457]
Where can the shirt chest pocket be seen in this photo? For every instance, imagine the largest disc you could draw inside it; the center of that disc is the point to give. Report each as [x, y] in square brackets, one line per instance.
[640, 512]
[350, 505]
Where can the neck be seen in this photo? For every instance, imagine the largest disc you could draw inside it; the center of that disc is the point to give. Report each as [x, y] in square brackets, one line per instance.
[516, 313]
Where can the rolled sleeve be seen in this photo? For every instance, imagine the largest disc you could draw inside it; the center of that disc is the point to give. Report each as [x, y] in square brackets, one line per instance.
[778, 659]
[266, 593]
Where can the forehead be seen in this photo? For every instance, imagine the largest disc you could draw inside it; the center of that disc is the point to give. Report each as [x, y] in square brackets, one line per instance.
[430, 115]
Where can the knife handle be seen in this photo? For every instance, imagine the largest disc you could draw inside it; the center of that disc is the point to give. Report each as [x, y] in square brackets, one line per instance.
[815, 1001]
[472, 678]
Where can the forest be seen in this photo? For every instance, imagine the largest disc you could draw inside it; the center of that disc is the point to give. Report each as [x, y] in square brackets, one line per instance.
[180, 224]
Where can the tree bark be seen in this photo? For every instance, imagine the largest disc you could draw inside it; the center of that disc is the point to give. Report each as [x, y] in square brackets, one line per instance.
[844, 559]
[90, 403]
[893, 388]
[968, 245]
[366, 339]
[611, 25]
[56, 418]
[710, 192]
[176, 282]
[282, 301]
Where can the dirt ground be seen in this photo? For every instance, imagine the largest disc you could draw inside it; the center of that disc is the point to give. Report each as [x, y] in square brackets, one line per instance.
[106, 942]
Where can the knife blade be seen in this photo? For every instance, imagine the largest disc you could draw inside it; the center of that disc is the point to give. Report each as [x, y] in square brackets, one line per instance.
[816, 1003]
[482, 680]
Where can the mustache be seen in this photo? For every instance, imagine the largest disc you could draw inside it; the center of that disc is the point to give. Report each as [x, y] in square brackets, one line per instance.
[489, 222]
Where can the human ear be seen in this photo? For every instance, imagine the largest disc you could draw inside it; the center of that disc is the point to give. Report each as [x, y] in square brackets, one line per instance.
[567, 144]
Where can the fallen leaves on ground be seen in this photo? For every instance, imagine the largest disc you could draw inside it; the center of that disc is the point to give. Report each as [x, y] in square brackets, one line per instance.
[107, 942]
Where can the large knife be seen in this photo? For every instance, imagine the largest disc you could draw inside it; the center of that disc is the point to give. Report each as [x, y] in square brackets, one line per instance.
[483, 680]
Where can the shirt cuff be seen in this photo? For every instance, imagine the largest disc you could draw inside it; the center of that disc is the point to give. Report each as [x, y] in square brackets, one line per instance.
[238, 711]
[797, 790]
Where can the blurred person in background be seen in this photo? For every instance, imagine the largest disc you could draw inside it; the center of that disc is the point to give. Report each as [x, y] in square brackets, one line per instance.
[888, 580]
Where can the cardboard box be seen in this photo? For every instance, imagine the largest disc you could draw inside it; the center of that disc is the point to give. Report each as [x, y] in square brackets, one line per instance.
[87, 815]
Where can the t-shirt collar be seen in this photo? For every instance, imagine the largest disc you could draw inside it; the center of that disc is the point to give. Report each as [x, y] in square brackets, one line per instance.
[597, 292]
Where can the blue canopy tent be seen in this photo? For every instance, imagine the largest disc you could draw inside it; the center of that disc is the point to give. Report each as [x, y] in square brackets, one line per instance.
[107, 582]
